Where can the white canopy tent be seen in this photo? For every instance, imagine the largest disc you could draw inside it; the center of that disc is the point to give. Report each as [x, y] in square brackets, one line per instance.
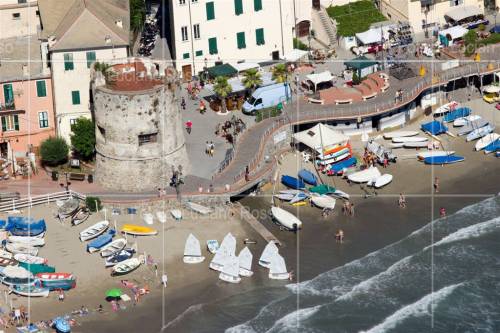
[454, 32]
[244, 66]
[321, 137]
[462, 12]
[375, 35]
[237, 84]
[316, 79]
[294, 55]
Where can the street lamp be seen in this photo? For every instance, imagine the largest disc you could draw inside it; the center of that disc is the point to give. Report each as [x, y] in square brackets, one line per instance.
[495, 13]
[426, 12]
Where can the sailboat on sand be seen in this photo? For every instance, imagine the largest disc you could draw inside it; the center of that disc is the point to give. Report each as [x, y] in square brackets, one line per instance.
[192, 251]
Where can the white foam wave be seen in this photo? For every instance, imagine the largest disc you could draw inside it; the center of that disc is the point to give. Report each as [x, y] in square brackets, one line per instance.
[422, 307]
[243, 328]
[473, 231]
[192, 309]
[293, 319]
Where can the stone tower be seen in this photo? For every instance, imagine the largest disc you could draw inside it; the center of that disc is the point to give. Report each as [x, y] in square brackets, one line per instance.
[139, 132]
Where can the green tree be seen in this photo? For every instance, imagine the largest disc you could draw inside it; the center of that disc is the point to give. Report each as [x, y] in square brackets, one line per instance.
[279, 73]
[252, 79]
[222, 88]
[137, 14]
[470, 40]
[54, 151]
[83, 138]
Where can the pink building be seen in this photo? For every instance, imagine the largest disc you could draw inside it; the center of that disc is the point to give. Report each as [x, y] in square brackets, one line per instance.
[26, 104]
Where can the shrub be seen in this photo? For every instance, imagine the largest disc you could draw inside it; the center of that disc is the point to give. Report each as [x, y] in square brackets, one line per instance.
[482, 27]
[297, 44]
[54, 151]
[470, 40]
[93, 203]
[355, 17]
[83, 138]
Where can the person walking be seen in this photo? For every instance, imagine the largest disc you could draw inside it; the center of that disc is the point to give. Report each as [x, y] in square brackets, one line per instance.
[402, 200]
[207, 149]
[212, 149]
[189, 126]
[351, 209]
[436, 185]
[247, 174]
[183, 103]
[164, 280]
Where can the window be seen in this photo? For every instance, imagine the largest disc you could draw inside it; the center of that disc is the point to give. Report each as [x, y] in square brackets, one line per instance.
[194, 1]
[259, 36]
[185, 56]
[75, 97]
[72, 121]
[8, 93]
[184, 33]
[68, 62]
[456, 2]
[10, 123]
[196, 31]
[240, 39]
[257, 5]
[43, 119]
[16, 16]
[21, 1]
[182, 2]
[37, 13]
[238, 7]
[210, 10]
[41, 90]
[199, 53]
[212, 45]
[90, 58]
[147, 138]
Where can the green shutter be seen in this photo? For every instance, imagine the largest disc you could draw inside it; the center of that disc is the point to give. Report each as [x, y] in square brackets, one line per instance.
[210, 11]
[90, 58]
[257, 5]
[212, 45]
[8, 93]
[199, 53]
[185, 56]
[16, 122]
[259, 36]
[68, 62]
[41, 90]
[240, 38]
[4, 124]
[75, 96]
[238, 7]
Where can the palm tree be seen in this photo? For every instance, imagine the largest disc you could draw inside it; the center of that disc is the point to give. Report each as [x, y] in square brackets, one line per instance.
[279, 73]
[106, 70]
[137, 14]
[222, 88]
[252, 79]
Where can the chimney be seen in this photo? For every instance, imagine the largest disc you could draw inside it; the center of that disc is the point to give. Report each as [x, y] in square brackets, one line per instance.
[119, 23]
[26, 71]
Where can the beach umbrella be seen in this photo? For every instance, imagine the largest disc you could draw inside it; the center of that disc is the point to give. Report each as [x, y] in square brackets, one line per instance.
[113, 294]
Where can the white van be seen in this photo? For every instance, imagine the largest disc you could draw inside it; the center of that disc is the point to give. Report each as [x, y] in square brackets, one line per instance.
[266, 97]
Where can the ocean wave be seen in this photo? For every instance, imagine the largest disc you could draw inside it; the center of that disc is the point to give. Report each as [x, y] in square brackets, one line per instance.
[473, 231]
[293, 319]
[422, 307]
[190, 310]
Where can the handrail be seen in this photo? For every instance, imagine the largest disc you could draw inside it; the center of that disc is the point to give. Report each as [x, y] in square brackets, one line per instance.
[29, 201]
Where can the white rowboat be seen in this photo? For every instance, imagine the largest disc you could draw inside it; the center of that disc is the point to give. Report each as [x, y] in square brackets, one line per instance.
[33, 241]
[364, 176]
[286, 219]
[29, 259]
[176, 214]
[126, 266]
[323, 201]
[486, 140]
[94, 231]
[113, 247]
[416, 144]
[399, 134]
[17, 248]
[409, 139]
[161, 216]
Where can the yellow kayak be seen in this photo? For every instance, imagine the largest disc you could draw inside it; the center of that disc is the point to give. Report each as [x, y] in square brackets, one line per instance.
[300, 203]
[138, 230]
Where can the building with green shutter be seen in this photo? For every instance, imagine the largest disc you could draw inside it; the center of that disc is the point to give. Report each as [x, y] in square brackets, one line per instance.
[206, 33]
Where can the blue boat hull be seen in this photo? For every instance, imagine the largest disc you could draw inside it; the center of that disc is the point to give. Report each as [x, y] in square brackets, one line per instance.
[59, 284]
[308, 177]
[100, 241]
[492, 147]
[337, 167]
[292, 182]
[439, 160]
[458, 113]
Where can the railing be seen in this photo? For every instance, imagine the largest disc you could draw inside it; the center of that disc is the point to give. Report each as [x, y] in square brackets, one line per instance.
[8, 106]
[28, 201]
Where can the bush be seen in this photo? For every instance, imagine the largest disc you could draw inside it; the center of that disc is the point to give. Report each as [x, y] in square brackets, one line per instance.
[54, 151]
[355, 17]
[93, 203]
[297, 44]
[470, 40]
[83, 138]
[482, 27]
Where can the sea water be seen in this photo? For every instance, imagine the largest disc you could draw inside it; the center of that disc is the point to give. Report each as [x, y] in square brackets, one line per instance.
[443, 277]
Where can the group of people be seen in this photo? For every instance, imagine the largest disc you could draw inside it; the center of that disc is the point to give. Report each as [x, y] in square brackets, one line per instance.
[398, 97]
[369, 158]
[210, 149]
[230, 129]
[348, 208]
[194, 88]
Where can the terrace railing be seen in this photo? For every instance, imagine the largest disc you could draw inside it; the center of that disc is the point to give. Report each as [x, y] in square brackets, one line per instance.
[29, 201]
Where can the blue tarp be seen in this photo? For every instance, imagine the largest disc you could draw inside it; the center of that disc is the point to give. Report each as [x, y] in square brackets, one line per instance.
[434, 127]
[458, 113]
[25, 226]
[102, 240]
[292, 182]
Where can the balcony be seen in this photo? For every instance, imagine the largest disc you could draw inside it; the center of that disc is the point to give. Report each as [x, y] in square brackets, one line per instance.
[8, 106]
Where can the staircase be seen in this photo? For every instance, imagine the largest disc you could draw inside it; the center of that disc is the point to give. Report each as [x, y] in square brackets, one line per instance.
[328, 26]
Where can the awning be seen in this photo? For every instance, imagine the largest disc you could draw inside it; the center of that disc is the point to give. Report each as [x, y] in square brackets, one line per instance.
[294, 55]
[370, 36]
[244, 66]
[316, 79]
[320, 136]
[221, 70]
[491, 89]
[463, 12]
[360, 63]
[455, 32]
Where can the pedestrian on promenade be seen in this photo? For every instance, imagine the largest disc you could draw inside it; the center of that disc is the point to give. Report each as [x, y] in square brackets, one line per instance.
[436, 185]
[202, 107]
[442, 212]
[183, 103]
[351, 209]
[339, 236]
[164, 280]
[189, 126]
[211, 149]
[402, 201]
[247, 174]
[207, 148]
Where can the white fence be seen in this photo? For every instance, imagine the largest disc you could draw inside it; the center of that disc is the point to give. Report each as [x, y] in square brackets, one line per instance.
[14, 204]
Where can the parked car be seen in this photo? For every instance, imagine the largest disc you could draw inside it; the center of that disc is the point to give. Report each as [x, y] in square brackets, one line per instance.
[266, 97]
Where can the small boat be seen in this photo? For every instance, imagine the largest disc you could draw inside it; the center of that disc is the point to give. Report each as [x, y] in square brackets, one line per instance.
[269, 251]
[30, 291]
[339, 167]
[126, 266]
[434, 127]
[421, 156]
[335, 159]
[212, 245]
[497, 154]
[285, 196]
[4, 262]
[382, 180]
[440, 160]
[226, 248]
[245, 262]
[101, 241]
[486, 140]
[292, 182]
[192, 251]
[459, 122]
[409, 139]
[231, 270]
[138, 230]
[299, 203]
[422, 144]
[94, 231]
[5, 254]
[29, 259]
[322, 189]
[113, 247]
[299, 197]
[480, 132]
[380, 151]
[293, 192]
[396, 145]
[118, 257]
[61, 325]
[286, 219]
[161, 216]
[148, 218]
[334, 156]
[340, 194]
[457, 113]
[445, 108]
[200, 209]
[54, 281]
[16, 248]
[277, 268]
[308, 177]
[68, 208]
[323, 201]
[15, 275]
[365, 175]
[472, 126]
[176, 214]
[32, 241]
[399, 134]
[81, 215]
[492, 147]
